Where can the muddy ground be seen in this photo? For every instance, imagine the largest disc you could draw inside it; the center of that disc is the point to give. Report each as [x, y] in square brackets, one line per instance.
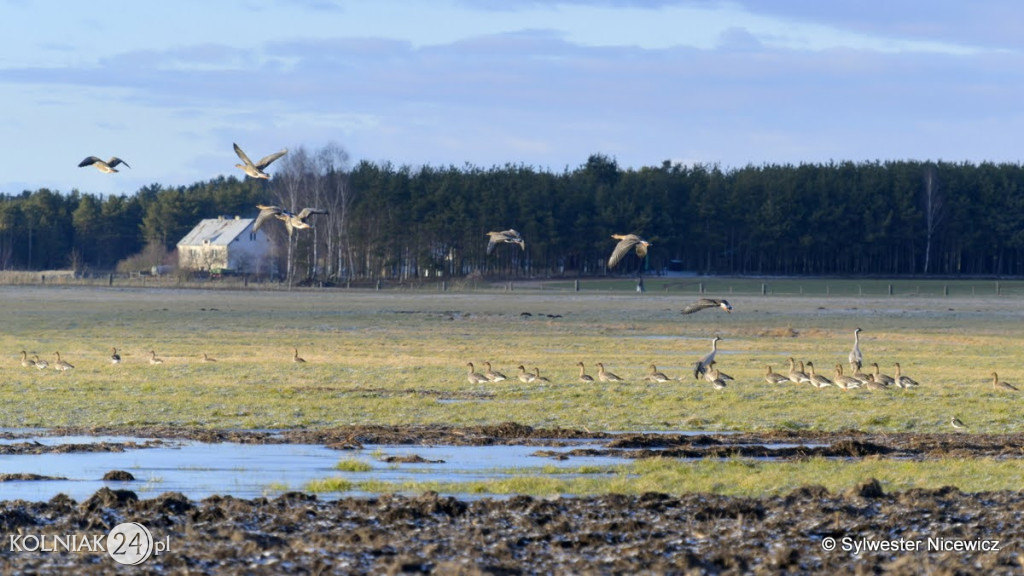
[652, 533]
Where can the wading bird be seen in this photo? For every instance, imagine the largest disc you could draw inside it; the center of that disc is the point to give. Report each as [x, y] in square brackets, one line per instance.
[855, 356]
[705, 303]
[105, 167]
[626, 242]
[702, 365]
[257, 170]
[509, 236]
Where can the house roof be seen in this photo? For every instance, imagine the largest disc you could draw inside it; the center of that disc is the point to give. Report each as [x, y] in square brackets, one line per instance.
[217, 231]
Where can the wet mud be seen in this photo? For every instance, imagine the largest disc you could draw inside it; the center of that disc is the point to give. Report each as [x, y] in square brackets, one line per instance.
[942, 531]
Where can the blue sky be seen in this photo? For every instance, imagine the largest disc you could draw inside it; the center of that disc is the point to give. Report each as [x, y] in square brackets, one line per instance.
[168, 86]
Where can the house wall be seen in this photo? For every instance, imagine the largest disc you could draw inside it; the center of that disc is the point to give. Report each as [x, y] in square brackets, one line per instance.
[250, 253]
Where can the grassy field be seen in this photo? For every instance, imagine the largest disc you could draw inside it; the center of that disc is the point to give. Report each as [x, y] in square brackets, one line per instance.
[398, 357]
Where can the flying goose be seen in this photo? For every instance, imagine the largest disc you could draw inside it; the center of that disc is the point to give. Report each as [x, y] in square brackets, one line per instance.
[1003, 385]
[473, 376]
[290, 219]
[153, 358]
[509, 236]
[774, 377]
[25, 361]
[584, 377]
[115, 358]
[605, 376]
[705, 303]
[525, 376]
[257, 170]
[296, 357]
[105, 167]
[702, 365]
[855, 355]
[654, 376]
[626, 242]
[493, 375]
[537, 377]
[39, 362]
[60, 365]
[844, 382]
[817, 380]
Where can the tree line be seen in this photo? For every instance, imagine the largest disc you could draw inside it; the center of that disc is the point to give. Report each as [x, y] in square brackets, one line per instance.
[404, 223]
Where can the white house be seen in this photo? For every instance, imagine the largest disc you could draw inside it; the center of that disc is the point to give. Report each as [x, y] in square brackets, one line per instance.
[227, 244]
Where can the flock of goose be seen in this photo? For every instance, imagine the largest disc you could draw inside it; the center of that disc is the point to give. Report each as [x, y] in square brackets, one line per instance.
[64, 366]
[799, 372]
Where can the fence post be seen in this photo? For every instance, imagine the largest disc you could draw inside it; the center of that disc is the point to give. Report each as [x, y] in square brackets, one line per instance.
[577, 286]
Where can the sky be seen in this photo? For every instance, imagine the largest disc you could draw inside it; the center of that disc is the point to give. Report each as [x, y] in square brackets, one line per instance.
[169, 86]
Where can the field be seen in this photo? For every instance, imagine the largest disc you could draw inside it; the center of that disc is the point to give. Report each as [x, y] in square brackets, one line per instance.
[395, 360]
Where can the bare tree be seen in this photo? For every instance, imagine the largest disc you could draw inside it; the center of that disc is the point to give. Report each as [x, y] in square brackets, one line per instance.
[933, 211]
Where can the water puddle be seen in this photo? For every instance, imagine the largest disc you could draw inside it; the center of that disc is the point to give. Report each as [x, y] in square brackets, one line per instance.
[199, 469]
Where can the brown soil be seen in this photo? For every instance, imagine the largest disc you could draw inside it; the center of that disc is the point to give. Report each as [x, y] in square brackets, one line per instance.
[652, 533]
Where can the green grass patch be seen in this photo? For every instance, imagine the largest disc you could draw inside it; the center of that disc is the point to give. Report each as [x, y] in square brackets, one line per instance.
[353, 465]
[731, 477]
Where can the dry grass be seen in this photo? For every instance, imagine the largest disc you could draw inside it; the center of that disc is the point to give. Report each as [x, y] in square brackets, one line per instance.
[399, 358]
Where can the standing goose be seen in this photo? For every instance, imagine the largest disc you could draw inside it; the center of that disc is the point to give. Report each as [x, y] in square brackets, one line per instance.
[705, 303]
[626, 242]
[855, 355]
[797, 376]
[882, 378]
[714, 373]
[774, 377]
[873, 384]
[153, 358]
[1003, 385]
[291, 220]
[844, 382]
[957, 423]
[60, 365]
[584, 377]
[904, 381]
[654, 376]
[296, 357]
[256, 170]
[493, 375]
[509, 236]
[25, 361]
[859, 374]
[207, 358]
[716, 377]
[605, 376]
[525, 376]
[817, 380]
[473, 376]
[537, 377]
[39, 363]
[105, 167]
[115, 358]
[702, 365]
